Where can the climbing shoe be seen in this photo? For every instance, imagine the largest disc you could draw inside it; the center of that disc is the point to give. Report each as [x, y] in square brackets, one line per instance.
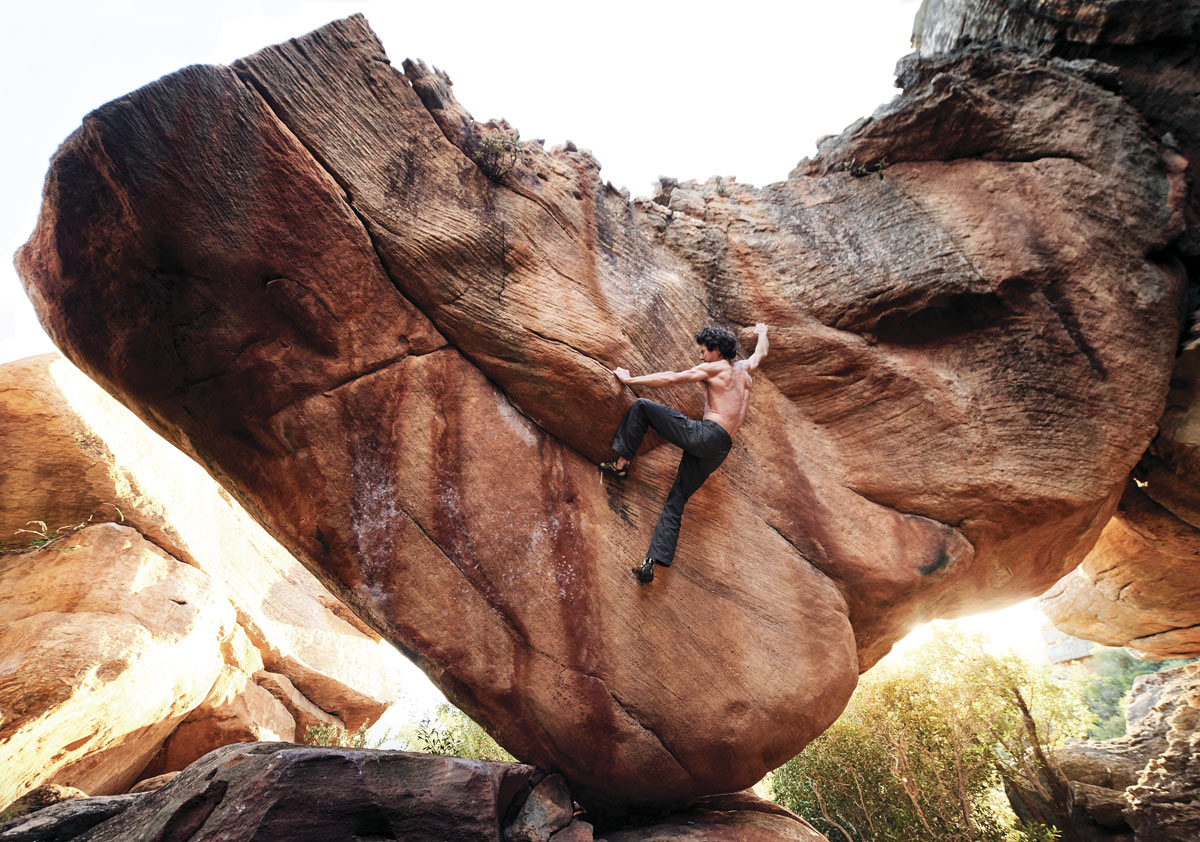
[645, 573]
[612, 470]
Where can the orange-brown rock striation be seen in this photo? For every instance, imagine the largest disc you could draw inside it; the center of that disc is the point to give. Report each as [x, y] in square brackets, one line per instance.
[1139, 587]
[308, 271]
[136, 646]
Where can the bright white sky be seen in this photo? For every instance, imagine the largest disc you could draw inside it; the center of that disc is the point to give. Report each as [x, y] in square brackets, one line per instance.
[687, 89]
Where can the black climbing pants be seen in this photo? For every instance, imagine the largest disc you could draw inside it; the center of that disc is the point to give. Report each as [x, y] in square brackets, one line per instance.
[705, 445]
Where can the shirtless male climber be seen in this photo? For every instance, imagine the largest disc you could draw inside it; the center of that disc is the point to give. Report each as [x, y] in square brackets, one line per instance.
[705, 443]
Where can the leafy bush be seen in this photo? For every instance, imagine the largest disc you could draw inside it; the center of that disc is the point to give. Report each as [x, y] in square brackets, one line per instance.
[926, 745]
[455, 734]
[863, 170]
[497, 153]
[332, 735]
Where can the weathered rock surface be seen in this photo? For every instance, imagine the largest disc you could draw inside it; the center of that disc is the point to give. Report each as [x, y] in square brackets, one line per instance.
[1139, 587]
[1146, 783]
[1150, 52]
[72, 453]
[547, 810]
[1164, 804]
[65, 820]
[399, 363]
[264, 792]
[91, 682]
[280, 792]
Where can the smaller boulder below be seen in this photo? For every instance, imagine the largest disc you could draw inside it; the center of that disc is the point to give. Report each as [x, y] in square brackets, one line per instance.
[65, 820]
[547, 810]
[259, 792]
[273, 791]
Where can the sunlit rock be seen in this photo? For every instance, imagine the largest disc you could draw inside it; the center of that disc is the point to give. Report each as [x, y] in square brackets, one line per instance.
[305, 271]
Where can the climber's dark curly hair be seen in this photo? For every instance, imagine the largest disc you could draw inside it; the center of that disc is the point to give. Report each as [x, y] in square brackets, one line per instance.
[718, 339]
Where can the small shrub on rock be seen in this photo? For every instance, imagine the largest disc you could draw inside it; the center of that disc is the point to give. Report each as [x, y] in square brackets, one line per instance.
[454, 734]
[497, 153]
[332, 735]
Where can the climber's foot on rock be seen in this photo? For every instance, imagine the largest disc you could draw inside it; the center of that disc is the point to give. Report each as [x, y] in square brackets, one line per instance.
[645, 573]
[612, 470]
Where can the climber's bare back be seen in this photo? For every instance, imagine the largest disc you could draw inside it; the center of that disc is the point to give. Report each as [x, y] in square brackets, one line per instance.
[726, 393]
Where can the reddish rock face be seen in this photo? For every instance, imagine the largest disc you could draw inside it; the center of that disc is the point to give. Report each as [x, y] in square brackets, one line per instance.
[1139, 587]
[298, 270]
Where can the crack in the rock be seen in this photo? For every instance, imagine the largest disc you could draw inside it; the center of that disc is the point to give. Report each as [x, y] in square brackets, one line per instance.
[827, 574]
[348, 194]
[879, 502]
[1171, 630]
[557, 341]
[492, 603]
[625, 710]
[1028, 159]
[554, 213]
[374, 368]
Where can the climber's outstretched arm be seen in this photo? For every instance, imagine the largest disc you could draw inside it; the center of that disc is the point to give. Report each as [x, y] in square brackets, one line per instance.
[695, 374]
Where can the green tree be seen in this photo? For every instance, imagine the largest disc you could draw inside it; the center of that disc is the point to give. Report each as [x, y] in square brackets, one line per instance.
[926, 745]
[1106, 687]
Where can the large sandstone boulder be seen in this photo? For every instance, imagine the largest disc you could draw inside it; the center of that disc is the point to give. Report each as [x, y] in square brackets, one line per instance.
[308, 272]
[1139, 587]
